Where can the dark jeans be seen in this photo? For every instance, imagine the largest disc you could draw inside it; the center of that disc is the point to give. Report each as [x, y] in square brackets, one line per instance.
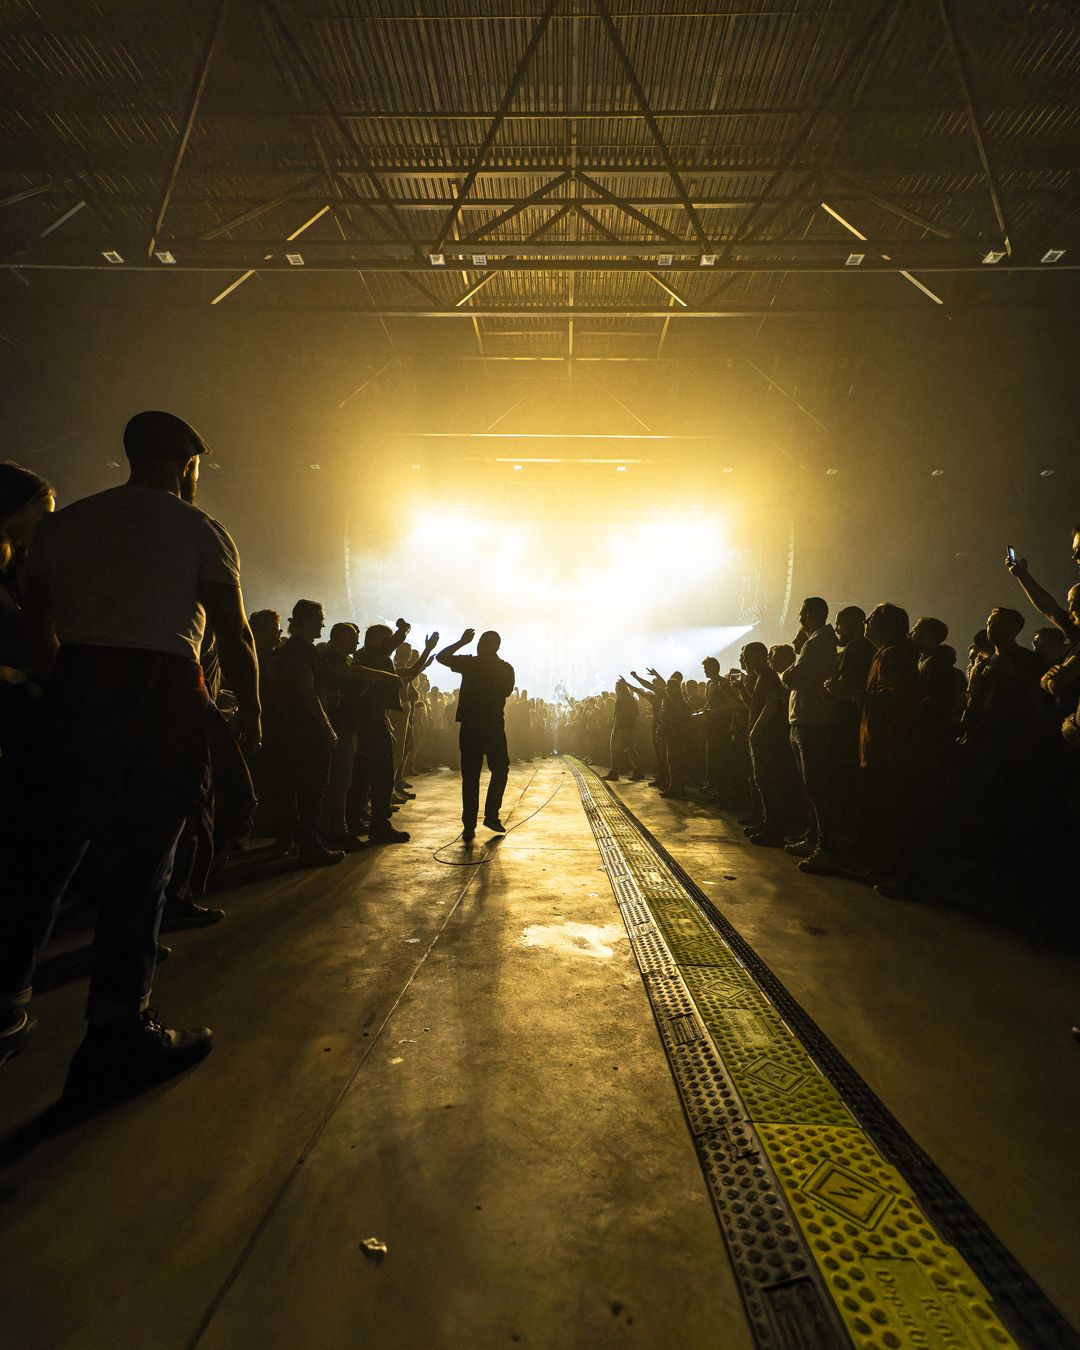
[122, 756]
[373, 775]
[478, 743]
[776, 779]
[815, 753]
[296, 762]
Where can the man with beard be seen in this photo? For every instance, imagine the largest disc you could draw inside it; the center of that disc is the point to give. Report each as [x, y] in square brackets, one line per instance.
[120, 587]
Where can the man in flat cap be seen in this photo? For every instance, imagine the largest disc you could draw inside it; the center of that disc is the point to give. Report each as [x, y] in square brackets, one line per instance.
[121, 586]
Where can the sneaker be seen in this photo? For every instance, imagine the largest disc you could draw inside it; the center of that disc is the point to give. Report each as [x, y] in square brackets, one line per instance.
[751, 822]
[801, 848]
[763, 839]
[386, 834]
[636, 777]
[14, 1036]
[659, 783]
[824, 864]
[180, 914]
[347, 843]
[116, 1061]
[468, 834]
[318, 856]
[610, 778]
[405, 786]
[494, 824]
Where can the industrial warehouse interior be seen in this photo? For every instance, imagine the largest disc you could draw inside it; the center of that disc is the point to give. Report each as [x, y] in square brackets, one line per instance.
[539, 674]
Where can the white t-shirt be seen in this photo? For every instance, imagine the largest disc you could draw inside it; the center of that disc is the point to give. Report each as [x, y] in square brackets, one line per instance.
[124, 568]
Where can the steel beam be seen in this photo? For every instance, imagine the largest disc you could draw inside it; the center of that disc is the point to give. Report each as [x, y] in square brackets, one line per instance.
[621, 202]
[952, 37]
[621, 266]
[195, 98]
[533, 199]
[359, 153]
[650, 121]
[541, 230]
[254, 212]
[24, 194]
[590, 219]
[496, 122]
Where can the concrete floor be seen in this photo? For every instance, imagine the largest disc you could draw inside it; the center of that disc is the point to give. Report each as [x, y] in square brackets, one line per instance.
[959, 1022]
[461, 1062]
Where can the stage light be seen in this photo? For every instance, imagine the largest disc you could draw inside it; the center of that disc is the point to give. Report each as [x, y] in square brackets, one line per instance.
[620, 468]
[708, 260]
[437, 259]
[937, 473]
[517, 468]
[1046, 473]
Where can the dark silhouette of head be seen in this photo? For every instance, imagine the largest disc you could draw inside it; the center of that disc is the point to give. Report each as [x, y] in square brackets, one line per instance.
[887, 625]
[711, 667]
[265, 628]
[928, 634]
[306, 621]
[378, 637]
[755, 657]
[814, 613]
[849, 623]
[163, 451]
[488, 643]
[344, 638]
[1003, 627]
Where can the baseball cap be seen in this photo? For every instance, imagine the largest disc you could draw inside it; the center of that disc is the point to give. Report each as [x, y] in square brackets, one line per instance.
[161, 435]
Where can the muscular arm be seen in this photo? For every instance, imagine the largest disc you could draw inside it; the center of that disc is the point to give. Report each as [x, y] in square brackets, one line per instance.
[446, 656]
[224, 607]
[1043, 601]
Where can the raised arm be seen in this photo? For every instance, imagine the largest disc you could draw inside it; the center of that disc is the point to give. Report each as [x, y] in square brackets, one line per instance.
[401, 632]
[1043, 601]
[446, 656]
[422, 661]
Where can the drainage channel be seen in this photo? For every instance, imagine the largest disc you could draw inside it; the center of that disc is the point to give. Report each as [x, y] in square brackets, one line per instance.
[841, 1231]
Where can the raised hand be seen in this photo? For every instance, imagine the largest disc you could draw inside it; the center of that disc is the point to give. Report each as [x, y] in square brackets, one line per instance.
[1017, 568]
[403, 627]
[430, 641]
[468, 635]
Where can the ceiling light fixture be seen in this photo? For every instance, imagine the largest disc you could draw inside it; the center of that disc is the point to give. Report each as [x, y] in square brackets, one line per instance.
[480, 259]
[294, 259]
[854, 259]
[937, 473]
[708, 260]
[517, 468]
[111, 255]
[437, 259]
[1052, 255]
[994, 256]
[164, 256]
[1046, 473]
[665, 259]
[620, 468]
[831, 473]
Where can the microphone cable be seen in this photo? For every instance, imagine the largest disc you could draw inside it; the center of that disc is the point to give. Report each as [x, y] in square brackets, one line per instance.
[492, 847]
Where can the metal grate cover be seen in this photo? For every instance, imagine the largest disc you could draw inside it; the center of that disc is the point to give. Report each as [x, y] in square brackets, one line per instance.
[841, 1231]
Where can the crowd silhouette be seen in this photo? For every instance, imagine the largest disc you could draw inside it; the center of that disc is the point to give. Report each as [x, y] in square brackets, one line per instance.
[149, 730]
